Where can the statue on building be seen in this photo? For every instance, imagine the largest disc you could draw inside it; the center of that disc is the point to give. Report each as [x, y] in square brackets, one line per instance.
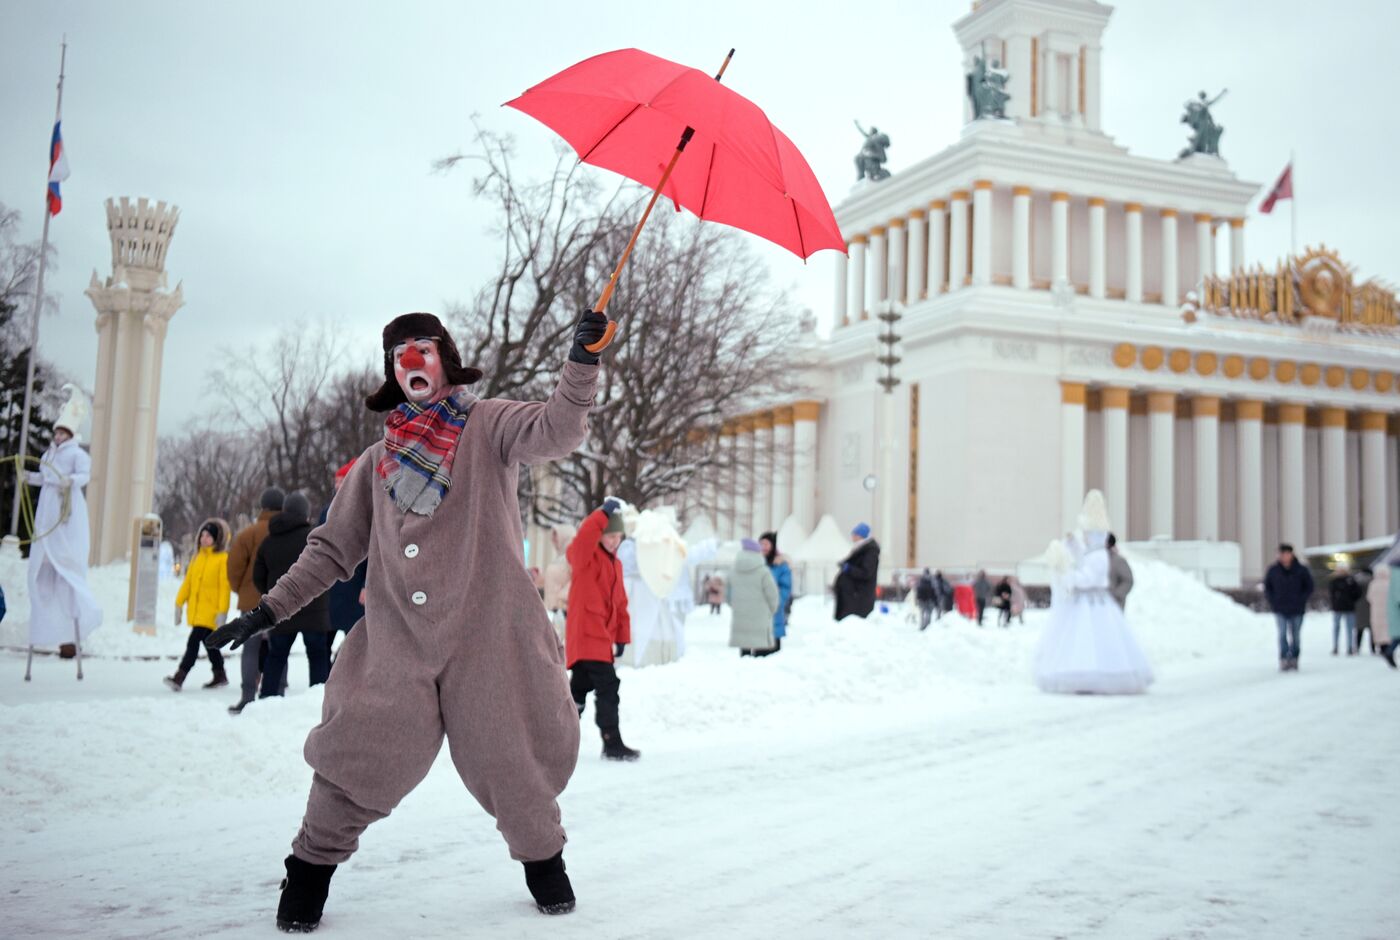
[986, 88]
[1205, 133]
[870, 162]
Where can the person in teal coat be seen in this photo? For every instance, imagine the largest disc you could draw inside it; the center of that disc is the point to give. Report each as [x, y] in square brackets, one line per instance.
[782, 574]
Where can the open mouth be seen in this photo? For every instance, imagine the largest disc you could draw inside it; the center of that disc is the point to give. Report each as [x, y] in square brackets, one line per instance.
[418, 383]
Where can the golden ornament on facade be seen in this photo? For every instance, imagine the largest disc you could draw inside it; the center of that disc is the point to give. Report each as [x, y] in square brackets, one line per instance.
[1124, 355]
[1180, 360]
[1335, 376]
[1258, 369]
[1234, 367]
[1206, 363]
[1360, 378]
[1316, 283]
[1152, 357]
[1285, 371]
[1384, 381]
[1309, 373]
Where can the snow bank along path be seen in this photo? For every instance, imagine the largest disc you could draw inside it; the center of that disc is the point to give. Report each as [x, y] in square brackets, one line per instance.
[870, 780]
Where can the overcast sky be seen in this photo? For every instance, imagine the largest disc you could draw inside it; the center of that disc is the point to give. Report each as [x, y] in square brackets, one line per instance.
[297, 138]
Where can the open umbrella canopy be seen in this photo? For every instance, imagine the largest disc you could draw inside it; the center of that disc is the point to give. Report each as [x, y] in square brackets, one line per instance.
[626, 110]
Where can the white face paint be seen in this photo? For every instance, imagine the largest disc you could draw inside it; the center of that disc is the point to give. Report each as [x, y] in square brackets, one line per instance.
[418, 369]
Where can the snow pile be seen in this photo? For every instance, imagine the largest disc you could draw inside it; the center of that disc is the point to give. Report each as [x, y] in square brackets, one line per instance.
[1177, 617]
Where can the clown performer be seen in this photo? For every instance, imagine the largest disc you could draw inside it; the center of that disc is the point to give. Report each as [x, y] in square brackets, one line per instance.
[455, 641]
[62, 609]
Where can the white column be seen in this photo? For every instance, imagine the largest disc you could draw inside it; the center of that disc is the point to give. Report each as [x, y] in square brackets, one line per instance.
[1236, 245]
[937, 248]
[744, 480]
[916, 282]
[1292, 497]
[116, 521]
[1059, 238]
[1249, 485]
[1375, 500]
[858, 309]
[1170, 297]
[1098, 248]
[804, 463]
[141, 462]
[1072, 438]
[1021, 237]
[1115, 457]
[782, 466]
[1161, 421]
[1205, 248]
[840, 316]
[982, 232]
[101, 420]
[762, 473]
[1334, 476]
[728, 481]
[879, 288]
[895, 278]
[160, 324]
[1132, 218]
[957, 240]
[1205, 417]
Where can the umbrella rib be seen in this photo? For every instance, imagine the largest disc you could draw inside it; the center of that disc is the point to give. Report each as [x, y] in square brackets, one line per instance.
[709, 171]
[585, 156]
[797, 221]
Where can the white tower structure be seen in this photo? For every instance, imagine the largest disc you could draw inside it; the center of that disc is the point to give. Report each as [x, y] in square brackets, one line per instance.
[133, 310]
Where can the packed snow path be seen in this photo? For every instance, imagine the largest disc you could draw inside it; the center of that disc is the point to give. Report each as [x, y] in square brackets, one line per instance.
[1231, 801]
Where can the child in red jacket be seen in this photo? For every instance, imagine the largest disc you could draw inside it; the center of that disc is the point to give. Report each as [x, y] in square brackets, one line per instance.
[597, 626]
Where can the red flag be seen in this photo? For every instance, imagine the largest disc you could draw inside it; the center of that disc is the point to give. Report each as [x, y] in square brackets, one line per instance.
[1283, 189]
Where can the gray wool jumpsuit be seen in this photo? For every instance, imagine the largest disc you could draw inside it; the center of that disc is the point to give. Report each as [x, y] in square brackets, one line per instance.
[455, 641]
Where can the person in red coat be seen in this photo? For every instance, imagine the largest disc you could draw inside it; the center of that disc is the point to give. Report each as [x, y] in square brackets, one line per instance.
[597, 626]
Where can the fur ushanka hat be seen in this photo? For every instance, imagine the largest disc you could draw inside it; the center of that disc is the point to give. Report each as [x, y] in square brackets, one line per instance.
[411, 326]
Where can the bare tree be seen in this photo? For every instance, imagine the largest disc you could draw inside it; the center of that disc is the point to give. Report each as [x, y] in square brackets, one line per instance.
[202, 473]
[703, 334]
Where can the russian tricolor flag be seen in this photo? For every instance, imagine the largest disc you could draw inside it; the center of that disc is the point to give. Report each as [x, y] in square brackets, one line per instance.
[58, 168]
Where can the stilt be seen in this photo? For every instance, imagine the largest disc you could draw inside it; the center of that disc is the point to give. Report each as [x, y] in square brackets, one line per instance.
[29, 663]
[78, 647]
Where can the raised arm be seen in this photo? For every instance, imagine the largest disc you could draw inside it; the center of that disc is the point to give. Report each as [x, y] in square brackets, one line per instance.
[536, 431]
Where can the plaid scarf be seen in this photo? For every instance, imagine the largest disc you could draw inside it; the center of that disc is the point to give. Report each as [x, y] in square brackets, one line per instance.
[419, 444]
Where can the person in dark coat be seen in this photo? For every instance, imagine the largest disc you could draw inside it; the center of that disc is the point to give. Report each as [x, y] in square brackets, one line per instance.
[926, 596]
[981, 593]
[855, 585]
[945, 594]
[346, 598]
[1287, 586]
[286, 539]
[1003, 602]
[1343, 591]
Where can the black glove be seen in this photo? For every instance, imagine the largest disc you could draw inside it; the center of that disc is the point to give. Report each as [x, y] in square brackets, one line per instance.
[610, 506]
[239, 631]
[591, 327]
[617, 650]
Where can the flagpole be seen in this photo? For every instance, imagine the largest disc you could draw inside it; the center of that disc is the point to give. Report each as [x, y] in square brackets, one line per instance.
[34, 319]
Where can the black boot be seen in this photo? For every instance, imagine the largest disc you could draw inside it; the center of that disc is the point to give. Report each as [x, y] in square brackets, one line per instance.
[1388, 651]
[549, 885]
[614, 749]
[304, 893]
[176, 681]
[237, 707]
[218, 682]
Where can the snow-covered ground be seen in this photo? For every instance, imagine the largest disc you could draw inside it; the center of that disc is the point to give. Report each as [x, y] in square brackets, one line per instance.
[869, 781]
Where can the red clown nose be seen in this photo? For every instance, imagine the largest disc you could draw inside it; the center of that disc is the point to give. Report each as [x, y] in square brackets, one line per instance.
[411, 358]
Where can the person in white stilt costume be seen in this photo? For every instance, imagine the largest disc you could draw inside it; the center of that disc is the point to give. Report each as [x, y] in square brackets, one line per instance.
[62, 609]
[1087, 645]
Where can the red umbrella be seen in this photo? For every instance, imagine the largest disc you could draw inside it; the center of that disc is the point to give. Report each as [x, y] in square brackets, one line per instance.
[625, 110]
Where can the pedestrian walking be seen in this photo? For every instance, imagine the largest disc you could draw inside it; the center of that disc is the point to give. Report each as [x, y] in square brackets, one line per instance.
[286, 540]
[1378, 600]
[714, 593]
[981, 593]
[1343, 592]
[1287, 587]
[346, 599]
[855, 584]
[781, 571]
[753, 601]
[455, 640]
[1120, 573]
[203, 600]
[945, 593]
[1002, 600]
[599, 625]
[240, 576]
[1019, 601]
[926, 596]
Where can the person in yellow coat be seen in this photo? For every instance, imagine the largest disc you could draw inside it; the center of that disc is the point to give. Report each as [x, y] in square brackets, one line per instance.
[204, 598]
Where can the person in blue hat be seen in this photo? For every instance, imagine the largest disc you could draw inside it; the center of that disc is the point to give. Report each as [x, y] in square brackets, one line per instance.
[855, 585]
